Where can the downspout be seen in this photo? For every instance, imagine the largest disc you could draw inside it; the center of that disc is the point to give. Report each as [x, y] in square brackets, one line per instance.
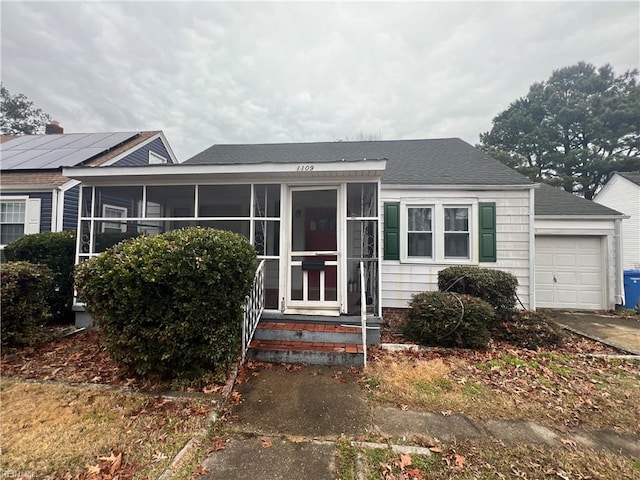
[617, 244]
[532, 250]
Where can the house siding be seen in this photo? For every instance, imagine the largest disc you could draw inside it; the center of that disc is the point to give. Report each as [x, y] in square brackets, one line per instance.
[624, 196]
[401, 280]
[141, 155]
[45, 207]
[70, 211]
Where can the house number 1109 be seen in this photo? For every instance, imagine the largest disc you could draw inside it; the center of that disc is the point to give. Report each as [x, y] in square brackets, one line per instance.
[304, 168]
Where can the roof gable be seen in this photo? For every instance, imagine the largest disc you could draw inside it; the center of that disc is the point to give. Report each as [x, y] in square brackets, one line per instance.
[447, 161]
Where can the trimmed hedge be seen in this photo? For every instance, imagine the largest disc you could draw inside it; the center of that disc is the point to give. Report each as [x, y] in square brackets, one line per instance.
[24, 303]
[171, 304]
[56, 250]
[439, 319]
[496, 287]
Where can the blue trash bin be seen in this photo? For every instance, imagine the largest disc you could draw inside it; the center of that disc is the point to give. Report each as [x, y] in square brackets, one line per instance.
[631, 288]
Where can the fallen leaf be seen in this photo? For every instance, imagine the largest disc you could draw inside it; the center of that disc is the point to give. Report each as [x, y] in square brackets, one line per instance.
[446, 413]
[568, 441]
[212, 388]
[405, 461]
[459, 459]
[93, 469]
[267, 443]
[414, 474]
[436, 449]
[200, 470]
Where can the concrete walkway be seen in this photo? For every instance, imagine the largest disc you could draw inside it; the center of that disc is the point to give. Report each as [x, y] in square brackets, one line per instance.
[288, 422]
[619, 332]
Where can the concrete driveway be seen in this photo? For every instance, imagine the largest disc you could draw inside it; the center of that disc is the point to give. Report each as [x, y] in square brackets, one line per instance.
[619, 332]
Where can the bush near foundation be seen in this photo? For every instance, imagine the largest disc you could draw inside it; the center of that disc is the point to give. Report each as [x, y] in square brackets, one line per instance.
[171, 304]
[496, 287]
[56, 250]
[449, 320]
[23, 299]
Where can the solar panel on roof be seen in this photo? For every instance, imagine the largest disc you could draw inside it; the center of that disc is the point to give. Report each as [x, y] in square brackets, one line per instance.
[32, 152]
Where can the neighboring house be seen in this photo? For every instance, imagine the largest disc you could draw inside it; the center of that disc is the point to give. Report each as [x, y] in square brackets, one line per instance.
[314, 211]
[36, 197]
[578, 258]
[622, 192]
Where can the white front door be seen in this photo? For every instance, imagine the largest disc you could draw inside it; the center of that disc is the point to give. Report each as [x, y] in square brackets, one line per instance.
[313, 259]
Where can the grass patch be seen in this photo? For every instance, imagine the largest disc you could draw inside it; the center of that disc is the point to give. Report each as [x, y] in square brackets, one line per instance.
[490, 460]
[52, 429]
[346, 460]
[549, 388]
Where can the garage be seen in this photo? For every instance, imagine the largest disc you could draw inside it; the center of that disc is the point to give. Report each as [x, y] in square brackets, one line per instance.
[569, 272]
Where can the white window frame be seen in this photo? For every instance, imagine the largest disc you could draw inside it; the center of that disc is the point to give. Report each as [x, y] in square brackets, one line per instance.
[113, 226]
[31, 222]
[432, 231]
[438, 206]
[467, 231]
[156, 159]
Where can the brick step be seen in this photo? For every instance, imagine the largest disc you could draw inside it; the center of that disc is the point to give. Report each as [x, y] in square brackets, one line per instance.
[315, 332]
[313, 353]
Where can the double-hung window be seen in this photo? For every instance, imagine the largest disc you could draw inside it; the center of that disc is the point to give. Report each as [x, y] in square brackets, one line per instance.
[456, 232]
[420, 232]
[12, 220]
[437, 232]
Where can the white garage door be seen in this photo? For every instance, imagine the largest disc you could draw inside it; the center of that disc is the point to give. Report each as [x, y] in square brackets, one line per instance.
[569, 272]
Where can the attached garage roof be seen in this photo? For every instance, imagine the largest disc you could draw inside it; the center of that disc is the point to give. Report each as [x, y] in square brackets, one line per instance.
[554, 201]
[446, 161]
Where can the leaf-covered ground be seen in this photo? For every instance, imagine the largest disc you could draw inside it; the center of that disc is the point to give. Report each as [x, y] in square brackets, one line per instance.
[562, 386]
[80, 358]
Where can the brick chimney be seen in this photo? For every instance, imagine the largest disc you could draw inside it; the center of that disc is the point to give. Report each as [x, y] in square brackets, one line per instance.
[53, 128]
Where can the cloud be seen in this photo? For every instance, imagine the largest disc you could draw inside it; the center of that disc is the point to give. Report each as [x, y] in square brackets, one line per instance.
[207, 72]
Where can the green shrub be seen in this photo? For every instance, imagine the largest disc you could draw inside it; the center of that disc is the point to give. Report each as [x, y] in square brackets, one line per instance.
[171, 304]
[496, 287]
[56, 250]
[24, 303]
[449, 320]
[531, 330]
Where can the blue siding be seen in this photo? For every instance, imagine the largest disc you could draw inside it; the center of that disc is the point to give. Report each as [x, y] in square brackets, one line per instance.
[45, 207]
[70, 212]
[141, 155]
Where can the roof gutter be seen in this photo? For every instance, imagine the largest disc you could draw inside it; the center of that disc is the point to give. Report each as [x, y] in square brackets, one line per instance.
[449, 186]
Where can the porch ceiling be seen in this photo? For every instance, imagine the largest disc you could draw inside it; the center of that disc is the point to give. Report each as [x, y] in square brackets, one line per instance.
[187, 173]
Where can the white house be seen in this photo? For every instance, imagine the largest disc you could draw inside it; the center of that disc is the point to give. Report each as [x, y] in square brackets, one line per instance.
[622, 193]
[405, 208]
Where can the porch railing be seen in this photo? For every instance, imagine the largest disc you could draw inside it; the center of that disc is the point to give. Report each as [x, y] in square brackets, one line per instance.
[253, 307]
[363, 312]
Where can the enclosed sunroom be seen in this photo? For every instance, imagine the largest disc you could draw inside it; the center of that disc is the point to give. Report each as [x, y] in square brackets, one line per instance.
[313, 224]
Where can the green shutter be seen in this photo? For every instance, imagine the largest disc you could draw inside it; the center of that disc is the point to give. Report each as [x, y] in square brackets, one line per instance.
[392, 231]
[487, 222]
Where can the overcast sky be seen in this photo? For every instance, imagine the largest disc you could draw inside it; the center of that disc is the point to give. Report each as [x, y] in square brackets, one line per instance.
[211, 72]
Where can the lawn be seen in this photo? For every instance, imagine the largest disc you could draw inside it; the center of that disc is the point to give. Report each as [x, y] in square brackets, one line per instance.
[69, 412]
[58, 431]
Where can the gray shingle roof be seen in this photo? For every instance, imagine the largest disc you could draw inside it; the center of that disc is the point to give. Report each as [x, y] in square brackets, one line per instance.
[446, 161]
[555, 201]
[631, 176]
